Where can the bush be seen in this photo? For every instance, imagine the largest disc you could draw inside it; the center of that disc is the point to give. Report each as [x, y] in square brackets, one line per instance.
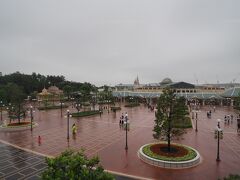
[85, 113]
[51, 107]
[132, 105]
[74, 165]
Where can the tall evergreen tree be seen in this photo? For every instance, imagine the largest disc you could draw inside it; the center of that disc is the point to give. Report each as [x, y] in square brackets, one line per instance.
[169, 111]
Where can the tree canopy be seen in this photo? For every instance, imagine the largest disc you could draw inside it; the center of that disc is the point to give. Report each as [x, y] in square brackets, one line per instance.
[170, 111]
[31, 84]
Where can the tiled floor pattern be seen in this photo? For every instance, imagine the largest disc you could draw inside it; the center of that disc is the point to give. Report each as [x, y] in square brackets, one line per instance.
[18, 164]
[102, 136]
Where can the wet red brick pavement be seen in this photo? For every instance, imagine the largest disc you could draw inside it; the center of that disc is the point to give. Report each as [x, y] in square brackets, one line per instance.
[102, 136]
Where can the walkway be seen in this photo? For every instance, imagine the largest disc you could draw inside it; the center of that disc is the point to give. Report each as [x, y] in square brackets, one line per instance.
[102, 136]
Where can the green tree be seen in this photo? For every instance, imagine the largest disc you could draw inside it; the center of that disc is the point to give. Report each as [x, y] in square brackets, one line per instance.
[180, 111]
[3, 94]
[67, 89]
[16, 96]
[74, 165]
[169, 111]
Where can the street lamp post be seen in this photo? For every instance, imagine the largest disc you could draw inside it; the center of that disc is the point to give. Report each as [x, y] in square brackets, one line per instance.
[61, 105]
[196, 119]
[196, 123]
[126, 128]
[31, 113]
[126, 146]
[68, 116]
[218, 136]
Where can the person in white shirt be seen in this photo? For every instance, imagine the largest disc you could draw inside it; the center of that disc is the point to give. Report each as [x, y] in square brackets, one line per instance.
[126, 116]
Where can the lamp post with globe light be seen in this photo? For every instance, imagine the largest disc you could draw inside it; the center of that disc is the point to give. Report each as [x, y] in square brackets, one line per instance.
[218, 136]
[68, 116]
[196, 119]
[31, 114]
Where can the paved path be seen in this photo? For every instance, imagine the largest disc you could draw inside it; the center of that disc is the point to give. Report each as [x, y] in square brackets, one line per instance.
[18, 164]
[102, 136]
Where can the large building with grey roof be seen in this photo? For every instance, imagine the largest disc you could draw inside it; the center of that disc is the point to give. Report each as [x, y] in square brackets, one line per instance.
[205, 94]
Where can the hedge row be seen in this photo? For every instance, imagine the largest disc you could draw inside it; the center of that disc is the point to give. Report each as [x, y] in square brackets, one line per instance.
[85, 113]
[51, 107]
[132, 105]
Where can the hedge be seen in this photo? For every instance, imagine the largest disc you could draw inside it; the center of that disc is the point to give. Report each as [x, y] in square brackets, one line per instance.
[51, 107]
[132, 105]
[85, 113]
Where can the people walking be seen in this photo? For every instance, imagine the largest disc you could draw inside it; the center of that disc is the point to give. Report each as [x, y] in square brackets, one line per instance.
[121, 121]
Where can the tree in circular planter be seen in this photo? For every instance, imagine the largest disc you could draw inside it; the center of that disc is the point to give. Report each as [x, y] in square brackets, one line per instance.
[171, 111]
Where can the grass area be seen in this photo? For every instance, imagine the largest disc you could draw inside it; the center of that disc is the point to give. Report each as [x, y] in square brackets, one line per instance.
[132, 105]
[52, 107]
[186, 123]
[85, 113]
[191, 154]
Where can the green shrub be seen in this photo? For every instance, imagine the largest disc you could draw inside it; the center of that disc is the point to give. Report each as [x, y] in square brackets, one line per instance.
[85, 113]
[74, 165]
[132, 105]
[52, 107]
[191, 154]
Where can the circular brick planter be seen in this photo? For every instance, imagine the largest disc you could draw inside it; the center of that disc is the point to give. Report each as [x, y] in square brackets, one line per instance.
[169, 164]
[17, 128]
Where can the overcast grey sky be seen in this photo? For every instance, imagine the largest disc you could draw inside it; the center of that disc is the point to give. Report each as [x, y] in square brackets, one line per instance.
[113, 41]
